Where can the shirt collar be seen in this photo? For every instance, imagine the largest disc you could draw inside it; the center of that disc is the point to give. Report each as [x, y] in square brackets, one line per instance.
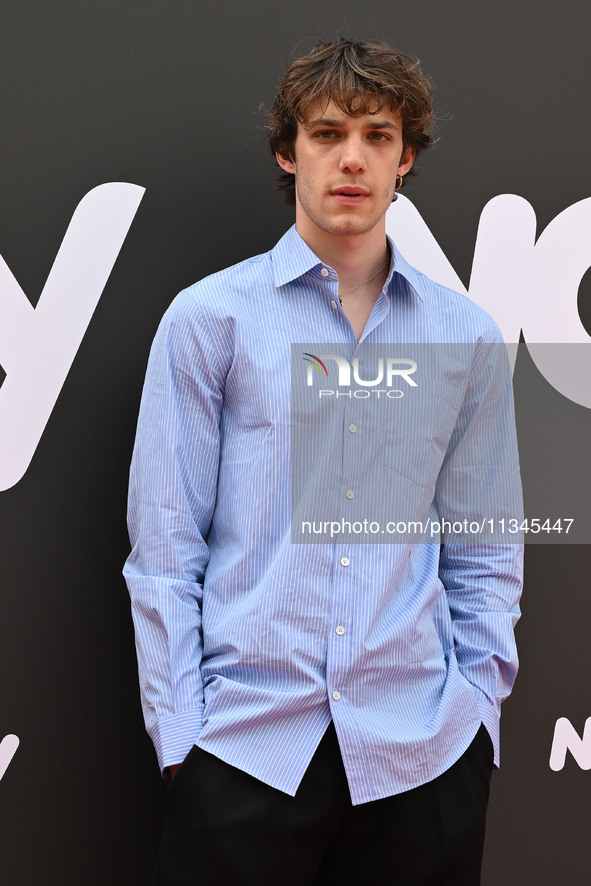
[292, 258]
[399, 265]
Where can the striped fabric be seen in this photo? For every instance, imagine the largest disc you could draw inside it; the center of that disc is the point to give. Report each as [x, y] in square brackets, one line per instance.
[250, 638]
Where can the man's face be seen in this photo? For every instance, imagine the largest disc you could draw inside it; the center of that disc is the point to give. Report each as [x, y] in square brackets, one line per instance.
[345, 169]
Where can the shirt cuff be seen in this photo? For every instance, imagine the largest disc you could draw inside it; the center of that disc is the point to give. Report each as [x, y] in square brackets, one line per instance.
[174, 737]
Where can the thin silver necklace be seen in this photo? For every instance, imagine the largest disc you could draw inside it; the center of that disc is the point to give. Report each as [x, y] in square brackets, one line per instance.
[365, 282]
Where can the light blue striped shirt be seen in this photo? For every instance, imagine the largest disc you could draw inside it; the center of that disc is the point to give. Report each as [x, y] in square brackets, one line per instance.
[251, 639]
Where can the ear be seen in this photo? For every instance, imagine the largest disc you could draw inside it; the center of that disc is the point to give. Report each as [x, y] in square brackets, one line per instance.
[406, 161]
[286, 163]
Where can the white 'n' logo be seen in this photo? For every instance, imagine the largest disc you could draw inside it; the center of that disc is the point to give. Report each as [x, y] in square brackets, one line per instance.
[524, 283]
[566, 738]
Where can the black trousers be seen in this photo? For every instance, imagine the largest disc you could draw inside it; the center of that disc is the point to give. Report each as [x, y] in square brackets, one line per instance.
[226, 828]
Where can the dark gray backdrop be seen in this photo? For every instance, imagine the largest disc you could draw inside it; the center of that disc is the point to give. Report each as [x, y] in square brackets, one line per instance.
[166, 95]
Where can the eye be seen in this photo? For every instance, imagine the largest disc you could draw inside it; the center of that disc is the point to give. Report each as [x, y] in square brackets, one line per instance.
[326, 134]
[378, 136]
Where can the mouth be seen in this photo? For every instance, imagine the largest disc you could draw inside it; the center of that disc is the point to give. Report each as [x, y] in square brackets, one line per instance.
[351, 194]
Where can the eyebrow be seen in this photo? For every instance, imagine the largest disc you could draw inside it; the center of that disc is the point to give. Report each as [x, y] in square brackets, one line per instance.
[326, 121]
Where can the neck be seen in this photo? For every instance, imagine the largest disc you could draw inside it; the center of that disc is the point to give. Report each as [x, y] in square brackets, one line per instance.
[354, 257]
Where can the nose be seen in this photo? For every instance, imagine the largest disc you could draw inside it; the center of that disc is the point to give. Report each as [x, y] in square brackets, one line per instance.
[353, 159]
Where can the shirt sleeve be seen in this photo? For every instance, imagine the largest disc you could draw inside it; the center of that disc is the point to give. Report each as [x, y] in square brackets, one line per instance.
[171, 501]
[482, 571]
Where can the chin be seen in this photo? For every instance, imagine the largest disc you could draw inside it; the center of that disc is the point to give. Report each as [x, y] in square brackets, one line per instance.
[350, 227]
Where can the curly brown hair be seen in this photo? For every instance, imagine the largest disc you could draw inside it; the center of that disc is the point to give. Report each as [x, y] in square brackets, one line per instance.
[359, 78]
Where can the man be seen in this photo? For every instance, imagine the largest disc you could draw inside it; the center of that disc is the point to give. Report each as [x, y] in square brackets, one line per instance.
[332, 702]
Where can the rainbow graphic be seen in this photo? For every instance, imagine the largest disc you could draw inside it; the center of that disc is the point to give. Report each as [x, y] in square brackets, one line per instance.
[315, 361]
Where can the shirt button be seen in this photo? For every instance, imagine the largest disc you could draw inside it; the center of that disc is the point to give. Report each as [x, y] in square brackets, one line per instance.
[325, 272]
[340, 630]
[349, 493]
[353, 428]
[336, 695]
[334, 304]
[344, 561]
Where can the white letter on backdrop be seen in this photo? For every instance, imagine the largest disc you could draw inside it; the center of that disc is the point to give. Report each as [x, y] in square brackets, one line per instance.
[523, 284]
[38, 345]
